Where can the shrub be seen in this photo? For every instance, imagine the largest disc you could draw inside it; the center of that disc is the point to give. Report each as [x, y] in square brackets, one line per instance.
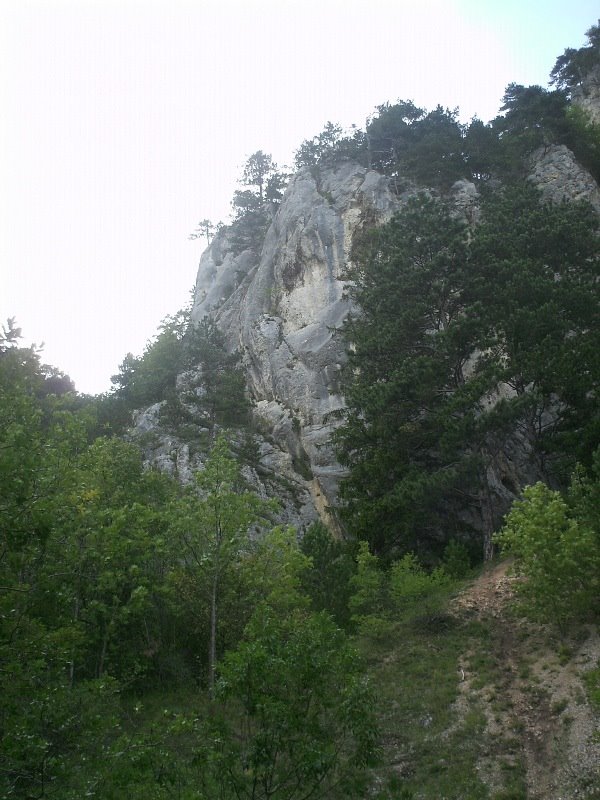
[557, 554]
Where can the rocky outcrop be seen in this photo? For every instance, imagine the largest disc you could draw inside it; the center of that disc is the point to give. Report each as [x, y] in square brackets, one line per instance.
[267, 468]
[587, 96]
[558, 175]
[280, 309]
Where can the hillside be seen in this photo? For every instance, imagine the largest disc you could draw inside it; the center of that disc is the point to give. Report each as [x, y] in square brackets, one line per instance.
[486, 704]
[336, 532]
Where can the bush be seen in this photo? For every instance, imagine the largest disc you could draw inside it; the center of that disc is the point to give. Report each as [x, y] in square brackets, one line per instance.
[367, 603]
[557, 554]
[410, 584]
[333, 565]
[456, 560]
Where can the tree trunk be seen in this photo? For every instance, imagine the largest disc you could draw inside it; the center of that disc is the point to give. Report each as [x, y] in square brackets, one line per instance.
[485, 503]
[72, 661]
[212, 648]
[105, 640]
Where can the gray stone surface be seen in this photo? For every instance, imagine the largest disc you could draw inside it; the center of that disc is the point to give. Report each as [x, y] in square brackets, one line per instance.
[555, 171]
[279, 309]
[274, 471]
[587, 96]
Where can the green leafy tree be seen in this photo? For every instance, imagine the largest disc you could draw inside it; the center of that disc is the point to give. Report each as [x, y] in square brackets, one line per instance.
[482, 151]
[315, 150]
[333, 563]
[331, 146]
[458, 343]
[407, 142]
[298, 719]
[252, 208]
[10, 335]
[411, 586]
[205, 228]
[584, 138]
[557, 555]
[219, 390]
[110, 542]
[179, 346]
[213, 529]
[533, 116]
[412, 413]
[534, 274]
[144, 380]
[272, 570]
[257, 170]
[435, 156]
[45, 723]
[368, 600]
[584, 495]
[389, 134]
[250, 221]
[275, 186]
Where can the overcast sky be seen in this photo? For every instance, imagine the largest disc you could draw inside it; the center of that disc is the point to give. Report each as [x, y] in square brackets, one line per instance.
[125, 123]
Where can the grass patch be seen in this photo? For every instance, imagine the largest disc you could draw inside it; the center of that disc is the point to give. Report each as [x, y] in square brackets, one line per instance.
[592, 685]
[430, 750]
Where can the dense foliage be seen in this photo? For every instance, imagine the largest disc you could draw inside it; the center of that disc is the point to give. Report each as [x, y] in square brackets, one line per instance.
[117, 583]
[432, 148]
[555, 541]
[215, 389]
[461, 339]
[574, 66]
[252, 209]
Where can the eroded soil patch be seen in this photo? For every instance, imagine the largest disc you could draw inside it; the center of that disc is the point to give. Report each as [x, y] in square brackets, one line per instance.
[542, 739]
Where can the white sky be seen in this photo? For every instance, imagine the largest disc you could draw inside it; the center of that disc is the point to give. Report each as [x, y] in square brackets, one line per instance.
[124, 123]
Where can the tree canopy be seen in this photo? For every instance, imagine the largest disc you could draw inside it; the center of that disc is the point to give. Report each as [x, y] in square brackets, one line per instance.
[574, 65]
[461, 338]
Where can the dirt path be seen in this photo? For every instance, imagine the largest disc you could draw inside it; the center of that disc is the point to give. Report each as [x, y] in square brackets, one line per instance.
[532, 694]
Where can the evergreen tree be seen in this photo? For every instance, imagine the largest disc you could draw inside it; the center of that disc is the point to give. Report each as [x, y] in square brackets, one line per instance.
[257, 170]
[535, 274]
[456, 344]
[411, 424]
[571, 69]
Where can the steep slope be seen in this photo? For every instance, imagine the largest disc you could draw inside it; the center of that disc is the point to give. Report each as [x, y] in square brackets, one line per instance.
[534, 693]
[279, 307]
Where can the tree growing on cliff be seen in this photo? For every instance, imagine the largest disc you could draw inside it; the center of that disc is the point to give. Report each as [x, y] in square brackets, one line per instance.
[574, 66]
[411, 422]
[535, 277]
[205, 228]
[458, 343]
[257, 170]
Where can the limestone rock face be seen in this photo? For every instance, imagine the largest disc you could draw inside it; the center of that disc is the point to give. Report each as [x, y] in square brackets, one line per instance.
[267, 468]
[555, 171]
[587, 96]
[279, 309]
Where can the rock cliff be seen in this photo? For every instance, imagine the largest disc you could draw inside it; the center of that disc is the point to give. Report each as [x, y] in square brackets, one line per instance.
[278, 306]
[279, 309]
[587, 96]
